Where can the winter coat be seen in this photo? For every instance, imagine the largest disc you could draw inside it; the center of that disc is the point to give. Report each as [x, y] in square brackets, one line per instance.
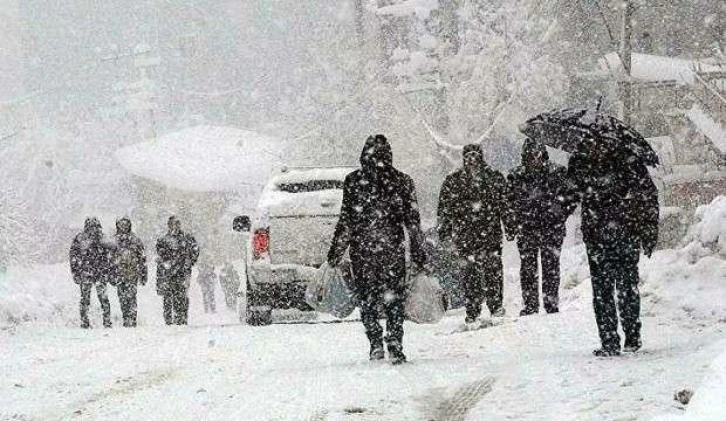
[619, 201]
[472, 209]
[90, 255]
[130, 259]
[539, 197]
[177, 252]
[379, 205]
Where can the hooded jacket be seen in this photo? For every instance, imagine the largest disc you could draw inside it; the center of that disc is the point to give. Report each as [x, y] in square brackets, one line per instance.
[472, 207]
[90, 255]
[379, 205]
[129, 257]
[539, 196]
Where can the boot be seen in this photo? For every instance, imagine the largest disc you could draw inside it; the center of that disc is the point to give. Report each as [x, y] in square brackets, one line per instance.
[528, 312]
[376, 353]
[632, 344]
[606, 352]
[498, 312]
[395, 352]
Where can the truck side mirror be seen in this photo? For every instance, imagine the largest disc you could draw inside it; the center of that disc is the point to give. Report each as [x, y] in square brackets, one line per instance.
[241, 223]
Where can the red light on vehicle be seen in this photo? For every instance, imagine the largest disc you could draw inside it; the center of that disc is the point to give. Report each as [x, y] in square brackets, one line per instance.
[260, 243]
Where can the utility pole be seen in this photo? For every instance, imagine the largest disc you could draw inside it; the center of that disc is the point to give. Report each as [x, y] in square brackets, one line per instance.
[359, 23]
[626, 52]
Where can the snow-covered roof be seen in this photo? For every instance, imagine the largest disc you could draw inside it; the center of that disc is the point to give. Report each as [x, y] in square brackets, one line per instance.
[205, 158]
[649, 68]
[710, 128]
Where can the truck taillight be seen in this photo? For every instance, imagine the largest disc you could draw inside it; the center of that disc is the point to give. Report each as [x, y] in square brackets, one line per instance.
[260, 243]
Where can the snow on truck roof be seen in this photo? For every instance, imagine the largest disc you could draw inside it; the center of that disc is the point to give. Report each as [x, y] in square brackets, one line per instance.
[205, 158]
[302, 175]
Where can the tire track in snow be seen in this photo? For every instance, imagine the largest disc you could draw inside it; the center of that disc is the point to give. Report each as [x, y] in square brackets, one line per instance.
[462, 401]
[124, 386]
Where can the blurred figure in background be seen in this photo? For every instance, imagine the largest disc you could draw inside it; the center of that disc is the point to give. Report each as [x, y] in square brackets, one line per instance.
[129, 269]
[178, 253]
[90, 261]
[229, 279]
[206, 279]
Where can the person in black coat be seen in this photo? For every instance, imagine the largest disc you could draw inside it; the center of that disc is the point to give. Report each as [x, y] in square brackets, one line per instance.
[472, 209]
[619, 217]
[379, 206]
[178, 253]
[90, 261]
[130, 269]
[540, 201]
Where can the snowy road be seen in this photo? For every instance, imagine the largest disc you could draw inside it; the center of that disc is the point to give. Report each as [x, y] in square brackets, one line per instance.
[532, 368]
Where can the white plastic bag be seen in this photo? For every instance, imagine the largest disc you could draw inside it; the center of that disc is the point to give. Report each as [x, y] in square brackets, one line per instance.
[426, 302]
[329, 292]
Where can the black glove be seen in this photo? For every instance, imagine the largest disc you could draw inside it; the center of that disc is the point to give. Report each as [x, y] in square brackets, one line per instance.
[648, 250]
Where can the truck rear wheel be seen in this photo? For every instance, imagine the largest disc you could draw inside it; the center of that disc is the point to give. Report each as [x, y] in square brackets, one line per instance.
[259, 316]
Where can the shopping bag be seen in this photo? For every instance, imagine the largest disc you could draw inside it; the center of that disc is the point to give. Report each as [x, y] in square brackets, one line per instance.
[426, 302]
[329, 293]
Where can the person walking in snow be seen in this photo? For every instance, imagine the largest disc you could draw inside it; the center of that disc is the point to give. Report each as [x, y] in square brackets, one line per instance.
[90, 262]
[130, 269]
[379, 206]
[178, 253]
[206, 279]
[471, 212]
[619, 217]
[540, 200]
[230, 282]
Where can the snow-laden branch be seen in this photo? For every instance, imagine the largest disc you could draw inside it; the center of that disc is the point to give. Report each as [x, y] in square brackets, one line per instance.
[495, 121]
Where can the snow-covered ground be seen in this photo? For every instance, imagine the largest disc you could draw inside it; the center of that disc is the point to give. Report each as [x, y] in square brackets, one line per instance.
[537, 367]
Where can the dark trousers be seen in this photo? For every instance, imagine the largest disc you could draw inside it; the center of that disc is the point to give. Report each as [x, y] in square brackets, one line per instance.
[208, 297]
[380, 285]
[483, 279]
[548, 249]
[176, 303]
[127, 299]
[86, 302]
[614, 267]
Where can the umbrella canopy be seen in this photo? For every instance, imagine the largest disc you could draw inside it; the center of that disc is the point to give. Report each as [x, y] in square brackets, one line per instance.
[574, 130]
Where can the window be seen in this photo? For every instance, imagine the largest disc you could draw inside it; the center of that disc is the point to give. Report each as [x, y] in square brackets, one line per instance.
[309, 186]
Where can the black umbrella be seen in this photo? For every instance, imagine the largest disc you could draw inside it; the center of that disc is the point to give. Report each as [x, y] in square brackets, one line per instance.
[574, 130]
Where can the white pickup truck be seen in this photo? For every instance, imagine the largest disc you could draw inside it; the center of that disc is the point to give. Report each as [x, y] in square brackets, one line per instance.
[291, 234]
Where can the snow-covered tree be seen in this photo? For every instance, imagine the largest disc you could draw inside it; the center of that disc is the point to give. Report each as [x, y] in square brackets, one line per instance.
[486, 65]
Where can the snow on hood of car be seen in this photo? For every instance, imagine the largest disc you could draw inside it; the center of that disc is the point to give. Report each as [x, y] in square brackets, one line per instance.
[205, 158]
